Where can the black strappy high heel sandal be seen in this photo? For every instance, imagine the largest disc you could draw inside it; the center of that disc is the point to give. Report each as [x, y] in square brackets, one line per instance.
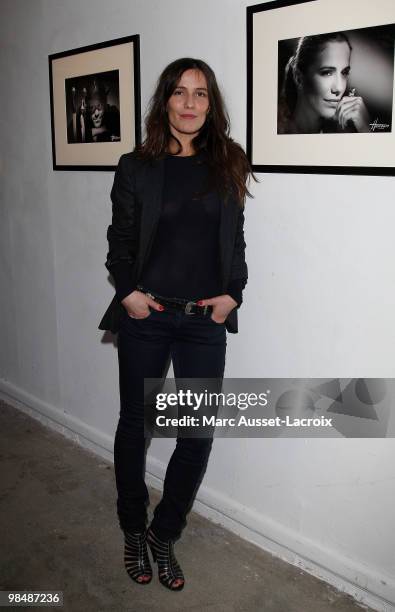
[136, 557]
[168, 568]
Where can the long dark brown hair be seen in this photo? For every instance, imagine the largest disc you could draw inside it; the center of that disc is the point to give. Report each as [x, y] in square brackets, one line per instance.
[229, 166]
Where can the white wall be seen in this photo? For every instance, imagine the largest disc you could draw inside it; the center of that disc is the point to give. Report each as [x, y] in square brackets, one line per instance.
[319, 302]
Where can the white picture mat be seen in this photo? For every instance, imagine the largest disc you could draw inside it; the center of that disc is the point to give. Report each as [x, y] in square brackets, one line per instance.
[317, 17]
[117, 57]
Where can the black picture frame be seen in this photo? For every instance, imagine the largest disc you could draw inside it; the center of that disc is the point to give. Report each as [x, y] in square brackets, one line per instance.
[268, 150]
[89, 74]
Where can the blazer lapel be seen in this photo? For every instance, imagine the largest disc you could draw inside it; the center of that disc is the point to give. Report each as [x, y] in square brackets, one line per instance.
[151, 198]
[227, 231]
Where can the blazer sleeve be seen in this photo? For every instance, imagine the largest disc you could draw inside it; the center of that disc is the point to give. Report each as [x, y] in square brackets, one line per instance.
[122, 234]
[239, 269]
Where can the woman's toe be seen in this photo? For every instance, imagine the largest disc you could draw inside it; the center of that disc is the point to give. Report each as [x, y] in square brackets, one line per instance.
[144, 578]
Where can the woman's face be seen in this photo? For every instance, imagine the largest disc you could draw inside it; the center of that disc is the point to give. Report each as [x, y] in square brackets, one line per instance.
[188, 105]
[97, 112]
[326, 80]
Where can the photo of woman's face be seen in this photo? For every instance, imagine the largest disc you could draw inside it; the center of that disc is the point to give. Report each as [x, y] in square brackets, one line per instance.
[326, 79]
[97, 113]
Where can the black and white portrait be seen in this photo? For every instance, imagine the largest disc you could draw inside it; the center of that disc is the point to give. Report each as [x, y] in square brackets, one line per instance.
[338, 82]
[92, 108]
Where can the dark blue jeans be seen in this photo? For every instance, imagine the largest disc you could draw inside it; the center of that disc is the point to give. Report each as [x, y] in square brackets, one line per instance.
[197, 346]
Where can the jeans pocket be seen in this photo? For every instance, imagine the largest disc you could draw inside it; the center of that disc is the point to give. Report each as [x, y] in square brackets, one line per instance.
[151, 310]
[215, 322]
[127, 315]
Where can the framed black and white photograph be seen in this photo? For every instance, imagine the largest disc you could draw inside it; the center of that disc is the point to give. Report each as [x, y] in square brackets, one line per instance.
[320, 86]
[95, 104]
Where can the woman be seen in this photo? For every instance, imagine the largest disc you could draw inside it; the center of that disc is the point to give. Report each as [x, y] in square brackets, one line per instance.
[313, 97]
[176, 252]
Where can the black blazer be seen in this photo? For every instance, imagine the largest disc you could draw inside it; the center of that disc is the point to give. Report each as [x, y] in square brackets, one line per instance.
[136, 197]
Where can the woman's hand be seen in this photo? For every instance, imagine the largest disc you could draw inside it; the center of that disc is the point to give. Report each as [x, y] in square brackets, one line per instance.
[353, 108]
[138, 304]
[222, 305]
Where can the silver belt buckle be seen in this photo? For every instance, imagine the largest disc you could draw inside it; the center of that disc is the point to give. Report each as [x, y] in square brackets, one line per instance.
[188, 308]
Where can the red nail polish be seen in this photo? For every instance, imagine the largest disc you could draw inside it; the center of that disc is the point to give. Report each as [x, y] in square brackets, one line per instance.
[200, 302]
[161, 307]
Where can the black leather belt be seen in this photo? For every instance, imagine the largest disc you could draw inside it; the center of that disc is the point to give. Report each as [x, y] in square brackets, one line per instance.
[189, 307]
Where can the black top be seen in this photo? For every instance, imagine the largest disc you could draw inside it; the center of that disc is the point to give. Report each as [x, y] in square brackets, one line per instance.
[184, 259]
